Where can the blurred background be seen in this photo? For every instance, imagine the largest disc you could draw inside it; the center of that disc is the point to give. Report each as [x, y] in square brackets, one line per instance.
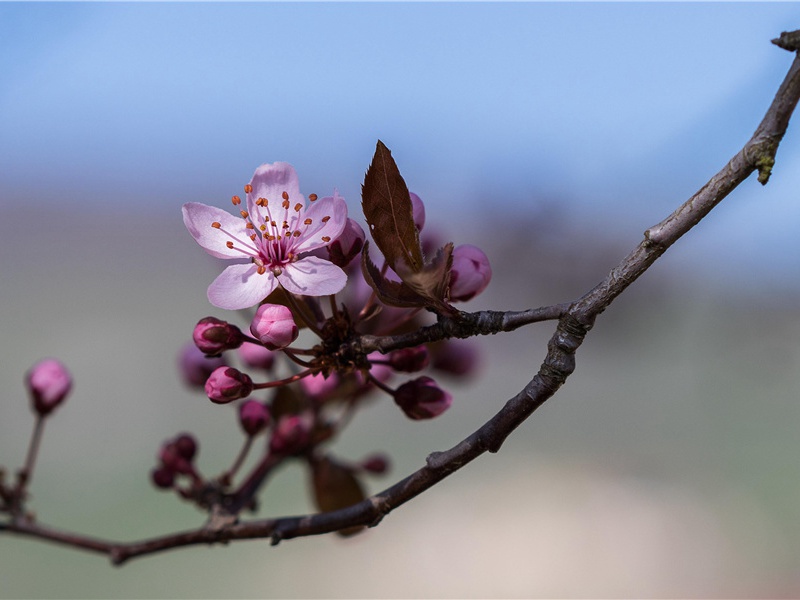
[551, 135]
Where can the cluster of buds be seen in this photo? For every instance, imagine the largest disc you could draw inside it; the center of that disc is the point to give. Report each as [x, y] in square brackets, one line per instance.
[299, 253]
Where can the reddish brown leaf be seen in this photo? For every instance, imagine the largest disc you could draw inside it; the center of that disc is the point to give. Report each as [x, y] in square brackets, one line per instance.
[335, 487]
[387, 208]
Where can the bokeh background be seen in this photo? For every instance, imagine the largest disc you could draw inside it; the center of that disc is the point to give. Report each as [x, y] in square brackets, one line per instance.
[551, 135]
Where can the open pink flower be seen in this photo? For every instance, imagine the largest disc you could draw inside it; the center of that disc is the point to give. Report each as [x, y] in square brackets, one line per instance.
[273, 232]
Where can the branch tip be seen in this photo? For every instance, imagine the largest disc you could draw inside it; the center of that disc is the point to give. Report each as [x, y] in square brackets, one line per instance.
[788, 40]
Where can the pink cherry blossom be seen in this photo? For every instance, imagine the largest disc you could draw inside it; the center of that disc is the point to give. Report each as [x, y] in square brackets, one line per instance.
[275, 230]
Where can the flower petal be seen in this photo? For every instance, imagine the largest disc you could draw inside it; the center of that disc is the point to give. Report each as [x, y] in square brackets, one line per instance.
[270, 181]
[312, 276]
[198, 219]
[240, 286]
[331, 206]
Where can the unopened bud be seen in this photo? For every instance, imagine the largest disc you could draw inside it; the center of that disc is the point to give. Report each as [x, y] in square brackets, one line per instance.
[195, 367]
[318, 386]
[417, 210]
[176, 455]
[48, 382]
[162, 477]
[291, 433]
[213, 337]
[186, 446]
[455, 357]
[227, 384]
[376, 463]
[409, 360]
[253, 417]
[348, 245]
[274, 326]
[256, 356]
[421, 398]
[470, 274]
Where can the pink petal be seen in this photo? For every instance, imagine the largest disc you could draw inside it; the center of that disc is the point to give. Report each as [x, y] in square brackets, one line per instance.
[331, 206]
[270, 181]
[198, 219]
[312, 276]
[240, 286]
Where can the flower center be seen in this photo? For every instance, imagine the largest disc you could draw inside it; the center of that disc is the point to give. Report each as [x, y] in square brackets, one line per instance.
[274, 232]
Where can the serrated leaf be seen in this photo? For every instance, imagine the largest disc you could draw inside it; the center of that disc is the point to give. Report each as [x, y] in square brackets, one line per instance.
[335, 487]
[387, 208]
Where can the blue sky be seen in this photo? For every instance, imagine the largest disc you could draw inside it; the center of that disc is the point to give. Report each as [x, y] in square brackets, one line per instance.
[614, 111]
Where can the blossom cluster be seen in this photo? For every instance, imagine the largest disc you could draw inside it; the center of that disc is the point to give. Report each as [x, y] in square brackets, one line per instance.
[296, 371]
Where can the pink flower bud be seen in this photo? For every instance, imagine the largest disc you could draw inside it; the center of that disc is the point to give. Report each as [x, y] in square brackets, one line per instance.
[227, 384]
[376, 463]
[409, 360]
[176, 455]
[274, 326]
[470, 274]
[455, 357]
[348, 245]
[421, 398]
[318, 386]
[162, 477]
[256, 356]
[213, 337]
[253, 417]
[291, 434]
[381, 372]
[195, 367]
[48, 382]
[185, 446]
[418, 210]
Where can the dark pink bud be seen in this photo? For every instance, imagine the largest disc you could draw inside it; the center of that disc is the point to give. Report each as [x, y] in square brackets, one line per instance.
[195, 367]
[162, 477]
[318, 386]
[227, 384]
[213, 337]
[256, 356]
[185, 446]
[470, 274]
[348, 245]
[291, 433]
[274, 326]
[172, 460]
[376, 463]
[421, 398]
[409, 360]
[48, 382]
[381, 372]
[253, 416]
[418, 210]
[455, 357]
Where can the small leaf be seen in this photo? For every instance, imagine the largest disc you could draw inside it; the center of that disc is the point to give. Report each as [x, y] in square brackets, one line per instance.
[433, 282]
[387, 208]
[335, 487]
[392, 293]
